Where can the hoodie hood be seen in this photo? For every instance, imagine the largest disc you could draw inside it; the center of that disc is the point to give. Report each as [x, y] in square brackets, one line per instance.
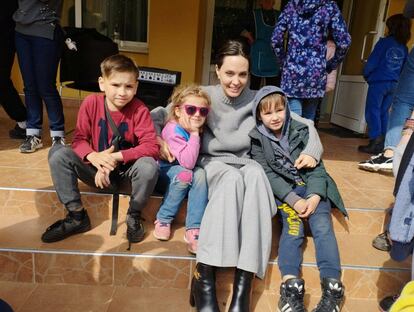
[307, 8]
[263, 92]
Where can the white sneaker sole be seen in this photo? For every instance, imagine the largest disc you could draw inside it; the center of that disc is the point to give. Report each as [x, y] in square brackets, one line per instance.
[39, 146]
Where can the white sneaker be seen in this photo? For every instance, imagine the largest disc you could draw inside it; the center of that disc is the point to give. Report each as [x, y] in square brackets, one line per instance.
[31, 144]
[377, 163]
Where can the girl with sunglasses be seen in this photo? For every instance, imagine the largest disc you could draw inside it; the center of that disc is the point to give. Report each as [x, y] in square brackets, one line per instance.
[236, 230]
[188, 113]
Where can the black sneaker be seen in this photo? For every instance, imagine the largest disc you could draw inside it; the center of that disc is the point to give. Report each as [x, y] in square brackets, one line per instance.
[332, 296]
[386, 303]
[135, 228]
[31, 144]
[382, 242]
[74, 223]
[58, 140]
[17, 133]
[376, 163]
[291, 296]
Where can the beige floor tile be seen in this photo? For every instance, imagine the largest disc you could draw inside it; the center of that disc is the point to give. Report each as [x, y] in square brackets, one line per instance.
[16, 267]
[16, 294]
[68, 298]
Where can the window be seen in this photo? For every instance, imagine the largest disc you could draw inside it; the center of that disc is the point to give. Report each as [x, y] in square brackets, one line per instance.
[125, 21]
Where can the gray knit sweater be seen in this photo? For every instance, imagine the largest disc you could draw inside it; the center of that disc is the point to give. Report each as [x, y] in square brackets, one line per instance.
[38, 17]
[226, 136]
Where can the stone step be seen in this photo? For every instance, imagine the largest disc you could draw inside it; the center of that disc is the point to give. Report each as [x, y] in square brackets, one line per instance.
[25, 297]
[95, 258]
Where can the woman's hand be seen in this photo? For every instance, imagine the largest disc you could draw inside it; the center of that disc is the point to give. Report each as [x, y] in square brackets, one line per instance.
[311, 204]
[165, 153]
[305, 161]
[300, 206]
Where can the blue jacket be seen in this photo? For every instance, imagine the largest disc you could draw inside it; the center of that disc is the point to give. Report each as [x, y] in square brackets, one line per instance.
[307, 24]
[385, 61]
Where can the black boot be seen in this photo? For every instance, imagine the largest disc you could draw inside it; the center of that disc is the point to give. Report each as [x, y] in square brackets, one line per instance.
[242, 286]
[203, 289]
[375, 146]
[292, 293]
[332, 296]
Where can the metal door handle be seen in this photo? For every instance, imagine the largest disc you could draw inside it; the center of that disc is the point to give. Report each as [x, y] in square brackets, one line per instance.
[372, 32]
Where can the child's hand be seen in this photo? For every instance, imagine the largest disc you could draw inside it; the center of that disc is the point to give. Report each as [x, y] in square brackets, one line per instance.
[311, 204]
[305, 161]
[103, 160]
[185, 123]
[165, 153]
[102, 179]
[300, 206]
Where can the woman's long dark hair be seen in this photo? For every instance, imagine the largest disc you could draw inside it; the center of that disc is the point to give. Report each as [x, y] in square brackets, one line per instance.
[232, 48]
[399, 27]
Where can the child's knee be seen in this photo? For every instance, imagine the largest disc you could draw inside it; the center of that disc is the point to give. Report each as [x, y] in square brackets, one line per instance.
[185, 176]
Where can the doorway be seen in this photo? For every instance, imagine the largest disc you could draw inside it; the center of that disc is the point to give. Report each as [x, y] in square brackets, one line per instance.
[366, 22]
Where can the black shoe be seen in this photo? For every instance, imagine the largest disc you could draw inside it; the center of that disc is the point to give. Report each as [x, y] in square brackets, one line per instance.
[135, 228]
[291, 295]
[377, 163]
[332, 296]
[386, 303]
[375, 146]
[17, 133]
[203, 289]
[242, 288]
[74, 223]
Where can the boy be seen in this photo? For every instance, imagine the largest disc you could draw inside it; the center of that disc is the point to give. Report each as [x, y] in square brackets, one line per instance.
[277, 141]
[94, 156]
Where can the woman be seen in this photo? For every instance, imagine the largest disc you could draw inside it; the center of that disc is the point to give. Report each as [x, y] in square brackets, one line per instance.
[39, 40]
[236, 229]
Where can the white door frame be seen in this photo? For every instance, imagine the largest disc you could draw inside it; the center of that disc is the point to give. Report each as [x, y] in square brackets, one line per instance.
[208, 37]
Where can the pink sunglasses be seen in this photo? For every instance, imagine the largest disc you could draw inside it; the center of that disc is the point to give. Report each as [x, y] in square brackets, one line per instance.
[192, 109]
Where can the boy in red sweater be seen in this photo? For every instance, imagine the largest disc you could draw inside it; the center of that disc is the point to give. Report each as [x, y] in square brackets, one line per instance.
[103, 159]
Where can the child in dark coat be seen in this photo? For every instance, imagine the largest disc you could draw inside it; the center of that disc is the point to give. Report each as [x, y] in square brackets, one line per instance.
[277, 141]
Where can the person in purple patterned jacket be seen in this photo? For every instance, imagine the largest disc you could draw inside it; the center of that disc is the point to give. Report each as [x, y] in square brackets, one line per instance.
[304, 66]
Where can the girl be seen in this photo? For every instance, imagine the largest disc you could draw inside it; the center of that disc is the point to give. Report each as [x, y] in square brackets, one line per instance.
[189, 110]
[382, 72]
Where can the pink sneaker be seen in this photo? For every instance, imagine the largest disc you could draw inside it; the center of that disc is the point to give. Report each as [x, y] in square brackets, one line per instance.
[191, 238]
[162, 230]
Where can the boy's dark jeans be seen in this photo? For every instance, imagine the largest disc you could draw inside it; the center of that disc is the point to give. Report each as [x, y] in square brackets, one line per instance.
[66, 168]
[291, 240]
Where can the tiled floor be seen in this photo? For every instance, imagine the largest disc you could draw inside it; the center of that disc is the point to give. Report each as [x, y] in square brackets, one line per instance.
[121, 285]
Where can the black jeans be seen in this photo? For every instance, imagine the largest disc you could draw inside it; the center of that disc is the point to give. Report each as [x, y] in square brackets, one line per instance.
[9, 98]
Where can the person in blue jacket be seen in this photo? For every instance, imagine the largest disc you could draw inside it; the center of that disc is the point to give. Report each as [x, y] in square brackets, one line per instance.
[308, 23]
[382, 71]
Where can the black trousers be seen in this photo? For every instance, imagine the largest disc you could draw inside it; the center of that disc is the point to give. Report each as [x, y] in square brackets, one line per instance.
[9, 98]
[269, 81]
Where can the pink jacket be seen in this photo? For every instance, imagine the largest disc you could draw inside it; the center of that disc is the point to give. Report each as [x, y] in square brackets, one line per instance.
[183, 146]
[331, 77]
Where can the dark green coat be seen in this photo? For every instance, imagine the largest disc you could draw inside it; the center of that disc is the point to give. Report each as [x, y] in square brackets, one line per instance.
[282, 181]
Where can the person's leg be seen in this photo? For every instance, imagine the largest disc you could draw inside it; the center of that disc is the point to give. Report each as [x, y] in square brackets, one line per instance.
[295, 105]
[24, 48]
[9, 98]
[402, 104]
[46, 56]
[273, 81]
[140, 179]
[309, 107]
[326, 247]
[179, 180]
[389, 89]
[65, 168]
[197, 199]
[255, 82]
[373, 105]
[255, 229]
[218, 243]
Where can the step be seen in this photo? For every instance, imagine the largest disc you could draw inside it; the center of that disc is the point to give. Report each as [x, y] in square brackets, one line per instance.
[29, 297]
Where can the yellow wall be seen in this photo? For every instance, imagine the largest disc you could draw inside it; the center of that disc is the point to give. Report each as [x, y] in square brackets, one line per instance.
[175, 41]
